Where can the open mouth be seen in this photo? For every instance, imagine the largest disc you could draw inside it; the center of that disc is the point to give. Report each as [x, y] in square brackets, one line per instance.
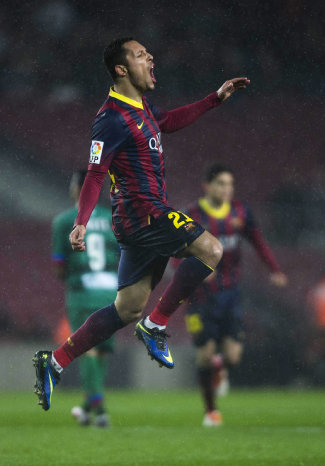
[152, 75]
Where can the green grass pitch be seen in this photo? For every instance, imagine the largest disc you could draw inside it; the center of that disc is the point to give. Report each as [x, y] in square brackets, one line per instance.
[262, 428]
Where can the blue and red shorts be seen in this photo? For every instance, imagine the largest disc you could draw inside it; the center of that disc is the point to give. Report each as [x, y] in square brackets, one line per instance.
[218, 317]
[148, 250]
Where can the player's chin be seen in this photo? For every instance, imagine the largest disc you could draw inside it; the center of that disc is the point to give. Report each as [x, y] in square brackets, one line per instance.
[151, 86]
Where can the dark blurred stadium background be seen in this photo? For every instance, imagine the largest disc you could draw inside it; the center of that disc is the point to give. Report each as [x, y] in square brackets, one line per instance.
[52, 82]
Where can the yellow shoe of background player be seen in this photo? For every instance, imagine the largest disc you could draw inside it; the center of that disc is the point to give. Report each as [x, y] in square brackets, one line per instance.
[212, 419]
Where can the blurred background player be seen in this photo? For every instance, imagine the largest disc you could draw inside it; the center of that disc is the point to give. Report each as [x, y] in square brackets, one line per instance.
[90, 280]
[214, 314]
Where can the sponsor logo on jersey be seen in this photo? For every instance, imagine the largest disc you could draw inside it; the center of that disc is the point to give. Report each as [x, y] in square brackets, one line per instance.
[96, 150]
[155, 143]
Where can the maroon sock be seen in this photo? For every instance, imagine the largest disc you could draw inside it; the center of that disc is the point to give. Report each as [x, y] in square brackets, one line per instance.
[205, 377]
[189, 274]
[218, 362]
[98, 327]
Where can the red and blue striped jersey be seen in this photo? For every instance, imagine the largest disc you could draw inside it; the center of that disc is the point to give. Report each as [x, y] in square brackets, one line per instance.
[126, 142]
[230, 223]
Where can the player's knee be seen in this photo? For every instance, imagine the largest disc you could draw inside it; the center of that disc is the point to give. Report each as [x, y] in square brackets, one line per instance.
[204, 360]
[131, 311]
[131, 314]
[214, 251]
[217, 251]
[233, 358]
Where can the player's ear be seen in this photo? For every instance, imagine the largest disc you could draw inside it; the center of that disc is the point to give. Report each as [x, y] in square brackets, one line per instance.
[120, 70]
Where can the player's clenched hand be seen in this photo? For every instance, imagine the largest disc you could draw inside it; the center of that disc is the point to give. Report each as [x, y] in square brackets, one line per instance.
[279, 279]
[76, 238]
[231, 86]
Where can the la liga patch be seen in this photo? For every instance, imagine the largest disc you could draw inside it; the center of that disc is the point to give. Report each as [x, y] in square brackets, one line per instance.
[96, 150]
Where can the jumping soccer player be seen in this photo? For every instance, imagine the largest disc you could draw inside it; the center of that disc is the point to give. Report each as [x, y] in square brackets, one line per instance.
[214, 315]
[90, 280]
[126, 143]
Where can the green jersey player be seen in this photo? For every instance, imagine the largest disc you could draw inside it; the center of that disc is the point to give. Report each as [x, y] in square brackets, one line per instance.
[90, 280]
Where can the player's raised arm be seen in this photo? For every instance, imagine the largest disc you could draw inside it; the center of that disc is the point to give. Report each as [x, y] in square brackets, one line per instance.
[173, 120]
[277, 277]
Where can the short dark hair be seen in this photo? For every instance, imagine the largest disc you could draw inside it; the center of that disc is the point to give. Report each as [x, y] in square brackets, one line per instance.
[214, 170]
[114, 54]
[78, 177]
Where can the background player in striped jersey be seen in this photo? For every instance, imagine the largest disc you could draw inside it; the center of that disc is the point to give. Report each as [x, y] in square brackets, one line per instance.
[126, 142]
[90, 280]
[214, 314]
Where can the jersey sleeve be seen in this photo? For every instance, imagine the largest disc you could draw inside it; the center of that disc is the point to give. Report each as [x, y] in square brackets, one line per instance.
[109, 133]
[173, 120]
[254, 236]
[89, 195]
[60, 231]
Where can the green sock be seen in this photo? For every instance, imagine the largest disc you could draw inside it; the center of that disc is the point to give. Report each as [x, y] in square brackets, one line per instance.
[92, 371]
[102, 368]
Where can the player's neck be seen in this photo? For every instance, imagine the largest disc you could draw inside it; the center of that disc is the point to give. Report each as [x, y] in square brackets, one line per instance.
[128, 90]
[215, 204]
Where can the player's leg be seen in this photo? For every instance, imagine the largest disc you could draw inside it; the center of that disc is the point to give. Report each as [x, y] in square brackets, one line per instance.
[220, 375]
[205, 371]
[233, 334]
[201, 259]
[175, 234]
[88, 369]
[93, 369]
[232, 351]
[93, 364]
[231, 338]
[153, 337]
[204, 330]
[101, 415]
[100, 326]
[230, 356]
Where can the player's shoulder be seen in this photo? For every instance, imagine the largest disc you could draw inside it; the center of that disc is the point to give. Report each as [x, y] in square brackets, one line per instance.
[108, 115]
[109, 123]
[67, 216]
[237, 203]
[242, 208]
